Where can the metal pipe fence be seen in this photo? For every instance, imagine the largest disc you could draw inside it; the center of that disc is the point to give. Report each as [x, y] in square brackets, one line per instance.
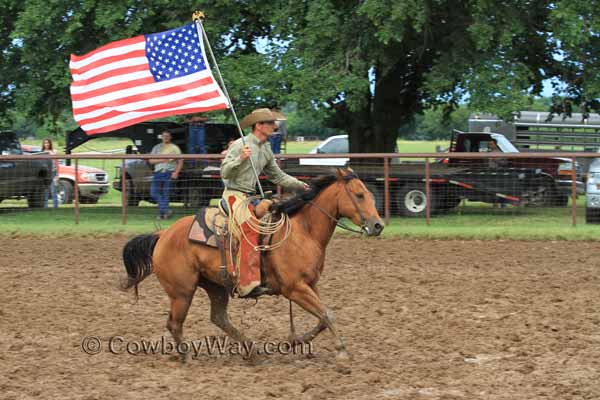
[421, 185]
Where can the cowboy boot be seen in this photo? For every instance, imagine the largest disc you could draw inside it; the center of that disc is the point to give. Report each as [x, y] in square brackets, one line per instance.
[249, 265]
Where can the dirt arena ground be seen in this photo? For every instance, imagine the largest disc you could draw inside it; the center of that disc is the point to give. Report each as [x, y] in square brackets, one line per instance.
[422, 320]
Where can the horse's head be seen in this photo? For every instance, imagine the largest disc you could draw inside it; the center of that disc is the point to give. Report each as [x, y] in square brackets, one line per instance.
[357, 203]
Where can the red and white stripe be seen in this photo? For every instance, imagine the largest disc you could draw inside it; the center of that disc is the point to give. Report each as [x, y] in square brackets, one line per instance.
[113, 88]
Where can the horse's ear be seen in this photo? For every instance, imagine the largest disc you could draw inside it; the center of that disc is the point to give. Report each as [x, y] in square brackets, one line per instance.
[340, 173]
[350, 170]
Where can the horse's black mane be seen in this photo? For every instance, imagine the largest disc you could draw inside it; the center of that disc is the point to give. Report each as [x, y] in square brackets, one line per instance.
[294, 204]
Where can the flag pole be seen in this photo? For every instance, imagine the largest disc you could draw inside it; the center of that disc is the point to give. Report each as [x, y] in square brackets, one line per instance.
[198, 16]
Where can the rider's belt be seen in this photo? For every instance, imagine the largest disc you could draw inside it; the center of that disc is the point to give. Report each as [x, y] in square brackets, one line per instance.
[243, 191]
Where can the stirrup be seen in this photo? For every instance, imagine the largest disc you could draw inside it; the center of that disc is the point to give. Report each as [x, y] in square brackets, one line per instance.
[257, 292]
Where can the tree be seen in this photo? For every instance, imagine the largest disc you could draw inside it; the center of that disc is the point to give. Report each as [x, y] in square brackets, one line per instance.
[37, 38]
[370, 66]
[375, 64]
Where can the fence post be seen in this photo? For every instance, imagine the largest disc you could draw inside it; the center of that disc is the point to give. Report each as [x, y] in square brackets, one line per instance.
[386, 190]
[77, 191]
[574, 190]
[123, 193]
[427, 192]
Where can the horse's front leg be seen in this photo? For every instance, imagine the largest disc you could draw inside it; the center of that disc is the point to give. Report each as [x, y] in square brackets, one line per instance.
[303, 295]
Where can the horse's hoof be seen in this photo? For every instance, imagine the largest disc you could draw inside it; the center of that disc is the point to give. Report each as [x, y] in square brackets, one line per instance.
[342, 355]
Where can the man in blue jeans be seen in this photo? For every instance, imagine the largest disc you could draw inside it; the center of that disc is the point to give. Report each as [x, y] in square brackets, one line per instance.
[164, 171]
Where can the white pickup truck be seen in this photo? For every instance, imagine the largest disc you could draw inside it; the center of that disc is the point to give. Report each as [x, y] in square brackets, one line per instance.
[332, 145]
[592, 196]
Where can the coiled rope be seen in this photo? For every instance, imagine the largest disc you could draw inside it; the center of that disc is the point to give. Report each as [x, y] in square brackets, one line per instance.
[264, 226]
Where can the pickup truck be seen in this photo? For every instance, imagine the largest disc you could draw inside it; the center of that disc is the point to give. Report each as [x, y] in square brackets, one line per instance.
[560, 169]
[22, 178]
[198, 181]
[92, 182]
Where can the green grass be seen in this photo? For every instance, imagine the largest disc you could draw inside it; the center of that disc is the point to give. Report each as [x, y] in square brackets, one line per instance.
[474, 222]
[481, 224]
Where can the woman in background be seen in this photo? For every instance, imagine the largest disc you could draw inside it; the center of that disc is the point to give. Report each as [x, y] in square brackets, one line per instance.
[48, 148]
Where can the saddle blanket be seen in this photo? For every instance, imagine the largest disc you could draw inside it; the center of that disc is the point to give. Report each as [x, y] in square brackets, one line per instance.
[208, 224]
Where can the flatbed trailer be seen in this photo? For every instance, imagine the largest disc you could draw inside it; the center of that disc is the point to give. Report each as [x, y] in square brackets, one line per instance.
[448, 185]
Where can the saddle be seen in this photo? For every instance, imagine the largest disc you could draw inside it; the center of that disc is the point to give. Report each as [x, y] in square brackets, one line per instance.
[211, 223]
[210, 227]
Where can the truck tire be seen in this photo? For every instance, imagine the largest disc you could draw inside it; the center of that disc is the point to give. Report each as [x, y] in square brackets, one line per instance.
[592, 215]
[378, 195]
[36, 198]
[133, 198]
[64, 192]
[560, 200]
[195, 198]
[554, 198]
[411, 200]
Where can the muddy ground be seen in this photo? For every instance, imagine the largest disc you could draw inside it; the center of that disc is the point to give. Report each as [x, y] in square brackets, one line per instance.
[422, 320]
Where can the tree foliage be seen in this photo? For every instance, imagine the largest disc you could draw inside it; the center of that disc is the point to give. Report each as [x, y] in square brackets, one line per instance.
[364, 67]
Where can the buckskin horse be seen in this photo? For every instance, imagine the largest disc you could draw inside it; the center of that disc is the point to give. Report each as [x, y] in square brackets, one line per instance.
[292, 270]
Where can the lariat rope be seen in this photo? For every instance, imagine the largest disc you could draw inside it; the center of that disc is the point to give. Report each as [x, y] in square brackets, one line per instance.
[263, 226]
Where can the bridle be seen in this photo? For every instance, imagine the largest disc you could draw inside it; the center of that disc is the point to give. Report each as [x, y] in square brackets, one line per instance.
[336, 219]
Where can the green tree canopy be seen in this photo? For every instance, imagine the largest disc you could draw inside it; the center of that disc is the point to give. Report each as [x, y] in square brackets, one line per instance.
[368, 66]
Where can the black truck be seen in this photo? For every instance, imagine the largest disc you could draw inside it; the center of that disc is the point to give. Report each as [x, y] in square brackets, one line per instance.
[517, 181]
[28, 179]
[196, 184]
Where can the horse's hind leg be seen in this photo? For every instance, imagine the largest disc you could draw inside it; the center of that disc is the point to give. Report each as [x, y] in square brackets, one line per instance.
[303, 295]
[310, 335]
[179, 310]
[180, 286]
[219, 299]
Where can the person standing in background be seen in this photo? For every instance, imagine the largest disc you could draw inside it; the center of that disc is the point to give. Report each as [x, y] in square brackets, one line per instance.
[280, 133]
[48, 148]
[164, 171]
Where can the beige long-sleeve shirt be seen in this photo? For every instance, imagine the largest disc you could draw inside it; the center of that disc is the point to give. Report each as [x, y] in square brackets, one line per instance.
[238, 174]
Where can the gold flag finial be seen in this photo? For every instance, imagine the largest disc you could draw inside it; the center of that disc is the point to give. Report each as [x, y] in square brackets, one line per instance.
[198, 15]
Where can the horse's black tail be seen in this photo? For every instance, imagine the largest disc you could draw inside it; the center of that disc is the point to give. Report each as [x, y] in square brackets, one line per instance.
[137, 257]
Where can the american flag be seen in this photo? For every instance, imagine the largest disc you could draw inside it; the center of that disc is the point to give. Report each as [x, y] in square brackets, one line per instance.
[142, 78]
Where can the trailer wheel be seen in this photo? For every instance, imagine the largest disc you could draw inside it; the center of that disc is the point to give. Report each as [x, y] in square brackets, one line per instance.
[411, 200]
